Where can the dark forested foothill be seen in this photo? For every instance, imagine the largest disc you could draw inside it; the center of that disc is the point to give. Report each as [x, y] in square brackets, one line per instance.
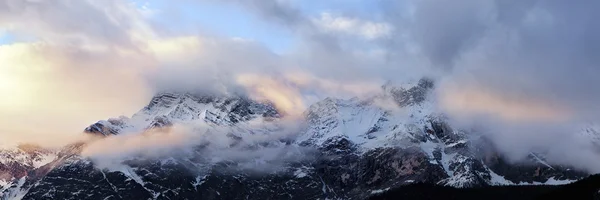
[588, 188]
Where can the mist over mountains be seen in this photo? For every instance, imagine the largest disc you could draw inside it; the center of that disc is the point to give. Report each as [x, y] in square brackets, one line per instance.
[183, 145]
[351, 97]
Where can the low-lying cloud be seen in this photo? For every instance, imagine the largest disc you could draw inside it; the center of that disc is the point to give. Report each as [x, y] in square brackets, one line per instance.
[520, 69]
[205, 145]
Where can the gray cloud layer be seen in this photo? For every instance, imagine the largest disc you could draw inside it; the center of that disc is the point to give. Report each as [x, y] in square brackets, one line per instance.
[526, 70]
[543, 50]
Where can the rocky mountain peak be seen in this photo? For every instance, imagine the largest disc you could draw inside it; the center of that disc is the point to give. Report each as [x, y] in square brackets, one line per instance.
[409, 94]
[166, 109]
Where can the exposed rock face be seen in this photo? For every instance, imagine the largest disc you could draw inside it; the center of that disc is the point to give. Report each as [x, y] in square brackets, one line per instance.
[349, 149]
[25, 165]
[411, 96]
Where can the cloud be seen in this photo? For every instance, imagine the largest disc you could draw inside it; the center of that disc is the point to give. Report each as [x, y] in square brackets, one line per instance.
[444, 29]
[103, 76]
[55, 91]
[77, 22]
[282, 12]
[536, 51]
[522, 69]
[204, 144]
[81, 63]
[470, 100]
[285, 96]
[352, 26]
[294, 90]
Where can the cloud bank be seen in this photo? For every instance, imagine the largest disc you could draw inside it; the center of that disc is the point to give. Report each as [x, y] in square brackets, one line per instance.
[526, 70]
[205, 145]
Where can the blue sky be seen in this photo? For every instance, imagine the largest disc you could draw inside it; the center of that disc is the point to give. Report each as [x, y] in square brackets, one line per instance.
[210, 17]
[8, 37]
[224, 20]
[362, 8]
[230, 20]
[235, 22]
[5, 38]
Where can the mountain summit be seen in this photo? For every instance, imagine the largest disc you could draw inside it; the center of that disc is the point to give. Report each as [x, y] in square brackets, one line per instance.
[166, 109]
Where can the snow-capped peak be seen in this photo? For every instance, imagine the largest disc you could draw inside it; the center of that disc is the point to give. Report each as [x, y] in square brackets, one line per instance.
[166, 109]
[409, 94]
[336, 118]
[368, 123]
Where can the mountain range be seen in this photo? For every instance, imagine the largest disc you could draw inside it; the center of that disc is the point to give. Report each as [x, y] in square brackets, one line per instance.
[238, 148]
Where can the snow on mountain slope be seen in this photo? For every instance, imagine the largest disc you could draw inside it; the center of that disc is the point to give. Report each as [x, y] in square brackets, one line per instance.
[367, 125]
[218, 126]
[364, 125]
[591, 132]
[17, 163]
[27, 156]
[340, 118]
[166, 109]
[23, 165]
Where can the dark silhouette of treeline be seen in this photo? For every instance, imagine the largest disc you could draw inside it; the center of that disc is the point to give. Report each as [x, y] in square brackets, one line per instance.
[584, 189]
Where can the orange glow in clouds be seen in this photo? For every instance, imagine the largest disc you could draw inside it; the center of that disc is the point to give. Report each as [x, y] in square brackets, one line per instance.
[472, 100]
[285, 97]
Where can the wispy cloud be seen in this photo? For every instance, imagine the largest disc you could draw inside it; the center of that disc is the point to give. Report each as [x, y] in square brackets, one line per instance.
[369, 30]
